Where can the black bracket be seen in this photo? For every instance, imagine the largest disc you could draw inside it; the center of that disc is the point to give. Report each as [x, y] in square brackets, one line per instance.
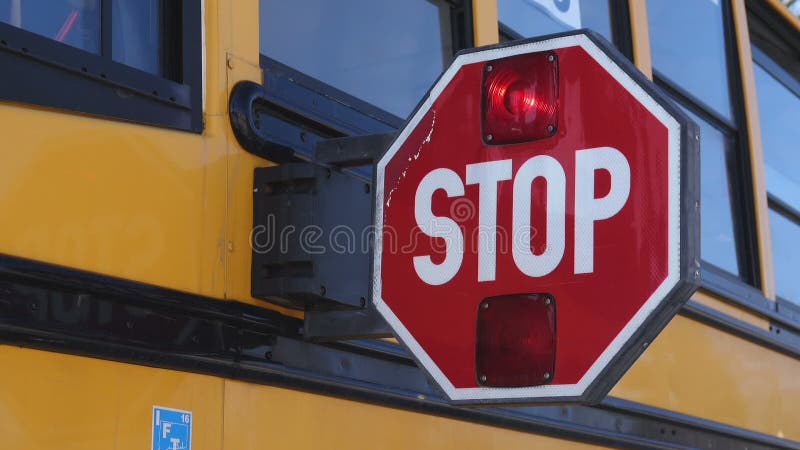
[310, 248]
[313, 238]
[352, 151]
[349, 324]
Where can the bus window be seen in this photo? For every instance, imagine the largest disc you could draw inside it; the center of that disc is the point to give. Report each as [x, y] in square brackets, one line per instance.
[778, 96]
[137, 60]
[785, 231]
[72, 22]
[688, 45]
[716, 229]
[385, 52]
[527, 18]
[137, 34]
[690, 42]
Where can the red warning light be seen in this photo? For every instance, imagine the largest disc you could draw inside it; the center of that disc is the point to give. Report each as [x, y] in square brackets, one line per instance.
[516, 340]
[520, 98]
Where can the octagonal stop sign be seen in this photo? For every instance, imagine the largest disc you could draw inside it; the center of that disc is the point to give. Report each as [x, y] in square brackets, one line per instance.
[537, 221]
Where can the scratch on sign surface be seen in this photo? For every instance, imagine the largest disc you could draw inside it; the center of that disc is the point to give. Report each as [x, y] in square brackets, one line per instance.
[412, 158]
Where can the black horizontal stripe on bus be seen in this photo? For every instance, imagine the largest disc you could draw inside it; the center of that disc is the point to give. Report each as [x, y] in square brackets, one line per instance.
[65, 310]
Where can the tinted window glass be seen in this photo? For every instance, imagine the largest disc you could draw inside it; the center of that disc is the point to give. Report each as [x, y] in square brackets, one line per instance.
[717, 243]
[386, 52]
[779, 108]
[785, 235]
[779, 111]
[537, 17]
[137, 33]
[73, 22]
[687, 42]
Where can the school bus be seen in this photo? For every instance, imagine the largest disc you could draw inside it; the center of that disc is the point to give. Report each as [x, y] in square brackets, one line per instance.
[127, 314]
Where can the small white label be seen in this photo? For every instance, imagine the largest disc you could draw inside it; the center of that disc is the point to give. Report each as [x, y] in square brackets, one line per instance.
[566, 11]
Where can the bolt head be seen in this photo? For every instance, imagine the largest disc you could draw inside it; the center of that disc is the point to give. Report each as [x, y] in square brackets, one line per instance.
[489, 68]
[483, 378]
[546, 375]
[489, 138]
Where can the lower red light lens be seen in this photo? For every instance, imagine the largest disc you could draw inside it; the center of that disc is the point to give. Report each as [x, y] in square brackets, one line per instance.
[516, 340]
[520, 98]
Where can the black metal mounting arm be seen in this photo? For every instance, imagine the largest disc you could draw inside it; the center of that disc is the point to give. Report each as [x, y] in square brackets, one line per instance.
[312, 236]
[247, 127]
[250, 109]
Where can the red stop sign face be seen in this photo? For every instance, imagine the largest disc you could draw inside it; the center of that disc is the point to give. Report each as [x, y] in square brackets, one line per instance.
[588, 224]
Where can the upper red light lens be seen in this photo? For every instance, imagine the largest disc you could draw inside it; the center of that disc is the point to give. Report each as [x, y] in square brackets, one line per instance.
[516, 340]
[520, 98]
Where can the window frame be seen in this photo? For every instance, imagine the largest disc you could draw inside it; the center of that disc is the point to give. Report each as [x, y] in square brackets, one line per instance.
[738, 169]
[43, 72]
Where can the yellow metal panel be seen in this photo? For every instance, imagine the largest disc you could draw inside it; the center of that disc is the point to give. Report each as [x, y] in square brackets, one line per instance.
[695, 369]
[484, 20]
[244, 29]
[641, 36]
[217, 44]
[54, 401]
[268, 417]
[128, 200]
[731, 310]
[756, 150]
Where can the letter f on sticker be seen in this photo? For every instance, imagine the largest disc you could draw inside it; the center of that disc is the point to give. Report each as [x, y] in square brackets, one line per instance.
[165, 429]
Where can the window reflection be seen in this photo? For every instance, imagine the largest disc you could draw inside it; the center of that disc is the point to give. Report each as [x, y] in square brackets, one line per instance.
[385, 52]
[687, 41]
[73, 22]
[530, 18]
[137, 34]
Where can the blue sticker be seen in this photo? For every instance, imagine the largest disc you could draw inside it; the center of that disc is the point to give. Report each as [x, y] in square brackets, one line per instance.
[172, 429]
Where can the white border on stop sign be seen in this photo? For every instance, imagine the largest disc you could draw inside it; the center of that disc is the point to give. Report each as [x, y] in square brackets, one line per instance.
[673, 246]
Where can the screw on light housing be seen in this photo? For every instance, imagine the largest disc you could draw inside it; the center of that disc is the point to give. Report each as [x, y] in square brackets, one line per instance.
[520, 98]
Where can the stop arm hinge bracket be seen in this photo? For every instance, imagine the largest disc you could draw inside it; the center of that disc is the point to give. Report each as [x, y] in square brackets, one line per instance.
[312, 240]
